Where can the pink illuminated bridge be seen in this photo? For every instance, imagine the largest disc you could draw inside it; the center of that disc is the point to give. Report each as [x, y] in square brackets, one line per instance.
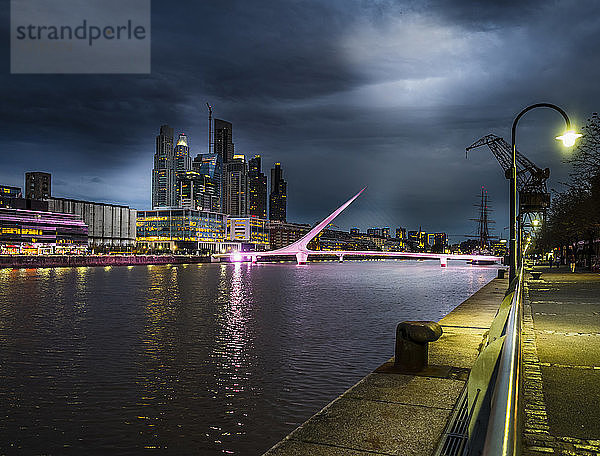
[301, 252]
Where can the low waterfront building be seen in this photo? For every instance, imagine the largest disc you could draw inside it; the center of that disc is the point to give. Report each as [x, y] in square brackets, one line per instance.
[341, 240]
[284, 233]
[394, 245]
[23, 203]
[179, 229]
[110, 225]
[500, 247]
[25, 231]
[374, 232]
[375, 242]
[7, 191]
[252, 232]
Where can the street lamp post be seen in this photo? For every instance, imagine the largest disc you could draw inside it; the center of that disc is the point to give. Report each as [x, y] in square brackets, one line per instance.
[568, 139]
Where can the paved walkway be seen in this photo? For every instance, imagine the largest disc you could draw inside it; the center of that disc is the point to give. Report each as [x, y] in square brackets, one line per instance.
[562, 363]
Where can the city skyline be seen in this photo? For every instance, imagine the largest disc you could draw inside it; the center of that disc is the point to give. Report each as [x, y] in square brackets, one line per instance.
[352, 97]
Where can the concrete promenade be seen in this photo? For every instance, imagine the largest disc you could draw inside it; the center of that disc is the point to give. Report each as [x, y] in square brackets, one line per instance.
[561, 355]
[389, 413]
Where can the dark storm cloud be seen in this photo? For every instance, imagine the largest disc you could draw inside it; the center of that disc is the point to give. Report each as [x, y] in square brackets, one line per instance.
[343, 93]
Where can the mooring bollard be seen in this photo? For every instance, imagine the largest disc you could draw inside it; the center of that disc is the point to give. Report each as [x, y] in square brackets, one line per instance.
[412, 344]
[501, 273]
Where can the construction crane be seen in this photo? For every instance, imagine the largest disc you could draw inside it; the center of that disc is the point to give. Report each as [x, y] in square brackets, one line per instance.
[534, 198]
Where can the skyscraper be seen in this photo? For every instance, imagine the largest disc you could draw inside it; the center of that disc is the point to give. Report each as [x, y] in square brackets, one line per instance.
[37, 185]
[193, 191]
[211, 167]
[257, 189]
[164, 185]
[278, 195]
[182, 160]
[235, 187]
[224, 140]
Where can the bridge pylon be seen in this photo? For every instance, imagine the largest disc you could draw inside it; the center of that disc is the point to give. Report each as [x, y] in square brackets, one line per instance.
[301, 257]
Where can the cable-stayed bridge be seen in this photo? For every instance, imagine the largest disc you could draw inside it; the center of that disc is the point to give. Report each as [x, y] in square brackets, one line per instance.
[300, 250]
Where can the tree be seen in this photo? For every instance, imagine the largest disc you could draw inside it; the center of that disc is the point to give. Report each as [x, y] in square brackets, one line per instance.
[575, 213]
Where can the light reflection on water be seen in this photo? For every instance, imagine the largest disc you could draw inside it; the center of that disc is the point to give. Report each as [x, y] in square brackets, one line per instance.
[202, 359]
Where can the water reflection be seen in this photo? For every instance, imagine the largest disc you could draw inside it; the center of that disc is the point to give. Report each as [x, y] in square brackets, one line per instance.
[209, 359]
[232, 354]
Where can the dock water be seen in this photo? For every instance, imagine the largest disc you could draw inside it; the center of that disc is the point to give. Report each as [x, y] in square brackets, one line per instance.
[391, 413]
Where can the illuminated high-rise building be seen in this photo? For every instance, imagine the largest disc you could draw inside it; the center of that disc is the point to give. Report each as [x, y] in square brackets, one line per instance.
[224, 140]
[278, 195]
[235, 187]
[191, 192]
[181, 154]
[211, 167]
[164, 175]
[257, 189]
[38, 185]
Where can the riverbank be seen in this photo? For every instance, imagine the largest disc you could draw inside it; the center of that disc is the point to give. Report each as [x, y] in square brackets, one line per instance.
[60, 261]
[392, 413]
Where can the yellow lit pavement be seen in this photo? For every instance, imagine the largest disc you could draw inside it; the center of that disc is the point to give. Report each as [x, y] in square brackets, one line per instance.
[562, 363]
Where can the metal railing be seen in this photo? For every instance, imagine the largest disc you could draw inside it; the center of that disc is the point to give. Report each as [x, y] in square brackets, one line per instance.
[503, 429]
[488, 422]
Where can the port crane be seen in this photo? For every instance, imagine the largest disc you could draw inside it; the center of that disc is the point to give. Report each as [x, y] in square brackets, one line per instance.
[534, 199]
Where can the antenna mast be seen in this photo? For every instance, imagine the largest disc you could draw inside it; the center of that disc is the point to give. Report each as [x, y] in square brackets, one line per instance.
[209, 127]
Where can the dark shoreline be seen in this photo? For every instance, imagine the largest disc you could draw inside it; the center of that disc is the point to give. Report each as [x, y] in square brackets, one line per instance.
[62, 261]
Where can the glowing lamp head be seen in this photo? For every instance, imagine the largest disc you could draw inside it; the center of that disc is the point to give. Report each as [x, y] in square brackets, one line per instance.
[535, 222]
[236, 257]
[569, 138]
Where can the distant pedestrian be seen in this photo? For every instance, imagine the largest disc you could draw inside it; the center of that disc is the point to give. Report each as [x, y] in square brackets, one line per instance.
[550, 260]
[572, 262]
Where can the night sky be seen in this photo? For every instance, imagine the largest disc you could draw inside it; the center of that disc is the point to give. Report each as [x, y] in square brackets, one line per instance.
[343, 93]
